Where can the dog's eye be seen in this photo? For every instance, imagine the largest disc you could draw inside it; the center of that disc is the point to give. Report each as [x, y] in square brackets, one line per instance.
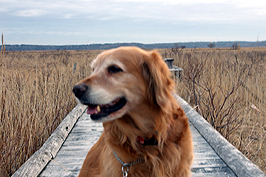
[114, 69]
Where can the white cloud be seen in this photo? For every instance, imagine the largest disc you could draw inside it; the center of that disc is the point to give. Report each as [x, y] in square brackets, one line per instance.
[250, 4]
[68, 16]
[30, 13]
[261, 12]
[3, 9]
[170, 10]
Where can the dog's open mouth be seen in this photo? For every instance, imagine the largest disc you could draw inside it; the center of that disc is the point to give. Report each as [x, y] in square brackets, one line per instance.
[99, 111]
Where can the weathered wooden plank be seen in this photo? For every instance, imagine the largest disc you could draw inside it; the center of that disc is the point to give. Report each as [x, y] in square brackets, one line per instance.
[74, 150]
[240, 164]
[217, 171]
[48, 151]
[206, 160]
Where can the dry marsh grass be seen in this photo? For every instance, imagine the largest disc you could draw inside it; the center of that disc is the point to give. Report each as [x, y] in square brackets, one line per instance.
[227, 87]
[35, 94]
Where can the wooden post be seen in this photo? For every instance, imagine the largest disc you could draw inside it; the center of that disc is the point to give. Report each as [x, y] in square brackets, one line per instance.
[74, 68]
[176, 70]
[169, 62]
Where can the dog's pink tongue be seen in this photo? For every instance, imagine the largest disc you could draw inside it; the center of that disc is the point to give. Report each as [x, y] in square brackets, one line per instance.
[91, 110]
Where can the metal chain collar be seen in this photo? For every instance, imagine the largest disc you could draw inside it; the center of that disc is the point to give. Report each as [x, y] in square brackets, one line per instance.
[125, 166]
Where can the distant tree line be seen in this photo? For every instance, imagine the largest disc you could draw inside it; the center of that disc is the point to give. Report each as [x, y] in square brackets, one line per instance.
[181, 45]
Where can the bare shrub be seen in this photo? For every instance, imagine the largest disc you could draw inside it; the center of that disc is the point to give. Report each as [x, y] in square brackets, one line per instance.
[228, 90]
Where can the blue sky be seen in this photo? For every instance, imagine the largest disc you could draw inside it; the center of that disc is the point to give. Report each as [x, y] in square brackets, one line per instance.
[57, 22]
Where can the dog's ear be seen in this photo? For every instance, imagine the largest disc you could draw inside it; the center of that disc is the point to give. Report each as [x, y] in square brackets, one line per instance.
[158, 79]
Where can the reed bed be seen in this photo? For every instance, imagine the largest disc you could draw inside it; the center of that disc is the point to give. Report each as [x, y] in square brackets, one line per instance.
[35, 93]
[227, 87]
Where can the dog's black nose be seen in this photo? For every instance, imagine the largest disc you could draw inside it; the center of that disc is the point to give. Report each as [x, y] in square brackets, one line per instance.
[79, 90]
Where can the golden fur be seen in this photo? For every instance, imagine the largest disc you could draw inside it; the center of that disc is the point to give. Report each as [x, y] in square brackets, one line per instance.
[150, 111]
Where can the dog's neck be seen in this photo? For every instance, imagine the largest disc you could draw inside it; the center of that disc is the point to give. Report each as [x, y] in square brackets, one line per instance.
[151, 141]
[147, 142]
[132, 139]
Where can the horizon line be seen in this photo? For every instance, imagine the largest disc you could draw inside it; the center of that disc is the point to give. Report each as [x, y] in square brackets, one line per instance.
[138, 43]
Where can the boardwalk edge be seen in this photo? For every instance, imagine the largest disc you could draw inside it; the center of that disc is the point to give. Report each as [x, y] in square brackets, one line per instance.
[238, 163]
[37, 162]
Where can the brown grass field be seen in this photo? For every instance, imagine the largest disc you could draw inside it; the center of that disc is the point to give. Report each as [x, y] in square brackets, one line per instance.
[225, 86]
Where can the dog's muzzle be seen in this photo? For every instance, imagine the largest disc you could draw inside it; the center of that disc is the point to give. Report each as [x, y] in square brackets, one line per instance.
[96, 110]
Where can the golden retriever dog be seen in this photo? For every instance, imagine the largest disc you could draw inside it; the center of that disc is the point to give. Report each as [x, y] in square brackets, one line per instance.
[146, 133]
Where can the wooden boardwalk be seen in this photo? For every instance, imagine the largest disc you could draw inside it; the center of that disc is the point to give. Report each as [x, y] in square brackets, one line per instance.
[214, 156]
[85, 133]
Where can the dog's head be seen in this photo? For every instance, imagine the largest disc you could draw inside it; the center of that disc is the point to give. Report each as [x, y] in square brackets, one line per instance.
[123, 81]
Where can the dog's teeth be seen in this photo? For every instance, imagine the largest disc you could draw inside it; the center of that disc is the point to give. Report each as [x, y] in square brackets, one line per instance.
[98, 108]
